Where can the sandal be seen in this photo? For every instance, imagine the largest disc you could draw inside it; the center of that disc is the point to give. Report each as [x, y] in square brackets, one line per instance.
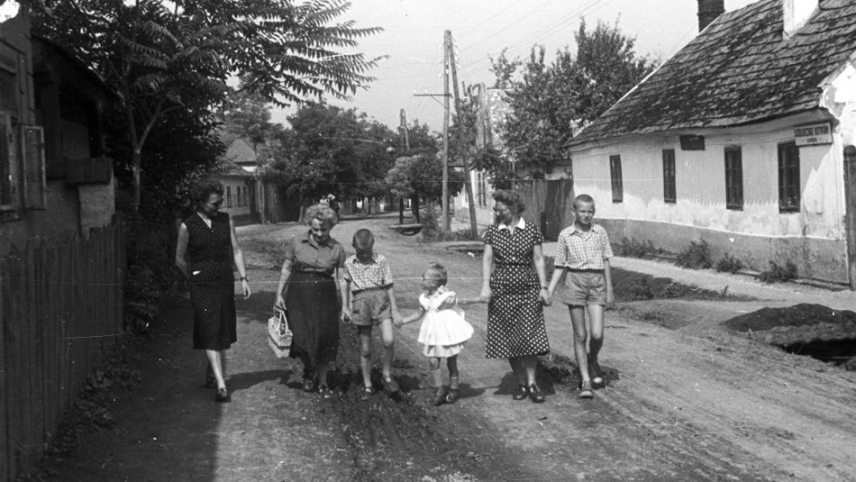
[452, 396]
[367, 393]
[325, 391]
[521, 393]
[536, 394]
[585, 390]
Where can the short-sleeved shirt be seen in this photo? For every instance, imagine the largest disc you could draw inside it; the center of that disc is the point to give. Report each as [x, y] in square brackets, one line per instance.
[374, 273]
[578, 249]
[310, 257]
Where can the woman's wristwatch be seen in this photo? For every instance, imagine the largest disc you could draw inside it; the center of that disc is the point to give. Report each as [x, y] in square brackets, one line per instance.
[244, 278]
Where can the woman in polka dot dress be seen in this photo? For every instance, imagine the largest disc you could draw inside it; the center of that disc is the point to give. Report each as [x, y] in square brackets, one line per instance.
[515, 287]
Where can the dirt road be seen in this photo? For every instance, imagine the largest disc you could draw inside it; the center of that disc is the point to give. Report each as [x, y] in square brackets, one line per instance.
[693, 403]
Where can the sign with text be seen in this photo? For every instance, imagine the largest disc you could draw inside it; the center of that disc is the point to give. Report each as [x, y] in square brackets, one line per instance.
[813, 134]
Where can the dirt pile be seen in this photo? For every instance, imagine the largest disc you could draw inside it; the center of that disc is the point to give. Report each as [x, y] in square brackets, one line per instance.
[809, 329]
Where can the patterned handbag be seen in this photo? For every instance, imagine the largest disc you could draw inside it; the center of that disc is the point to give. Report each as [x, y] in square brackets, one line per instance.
[278, 334]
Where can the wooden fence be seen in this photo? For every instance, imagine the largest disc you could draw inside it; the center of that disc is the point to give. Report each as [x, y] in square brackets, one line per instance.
[60, 313]
[548, 204]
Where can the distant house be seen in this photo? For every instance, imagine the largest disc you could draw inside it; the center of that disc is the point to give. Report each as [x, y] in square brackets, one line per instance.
[54, 179]
[240, 187]
[738, 140]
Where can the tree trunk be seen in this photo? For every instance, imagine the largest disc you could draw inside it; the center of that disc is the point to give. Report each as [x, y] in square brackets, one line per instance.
[136, 168]
[401, 210]
[414, 206]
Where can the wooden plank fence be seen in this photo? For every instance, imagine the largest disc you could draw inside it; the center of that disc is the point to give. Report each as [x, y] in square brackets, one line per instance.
[549, 204]
[60, 313]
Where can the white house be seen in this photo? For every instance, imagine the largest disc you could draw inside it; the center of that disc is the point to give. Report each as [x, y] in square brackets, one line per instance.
[738, 140]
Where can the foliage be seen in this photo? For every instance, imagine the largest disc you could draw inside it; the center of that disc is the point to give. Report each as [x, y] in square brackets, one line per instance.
[728, 263]
[778, 273]
[330, 150]
[550, 100]
[420, 176]
[695, 256]
[638, 249]
[158, 59]
[247, 116]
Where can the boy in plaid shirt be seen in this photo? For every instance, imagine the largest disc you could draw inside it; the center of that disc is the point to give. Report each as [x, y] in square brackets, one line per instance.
[582, 257]
[367, 300]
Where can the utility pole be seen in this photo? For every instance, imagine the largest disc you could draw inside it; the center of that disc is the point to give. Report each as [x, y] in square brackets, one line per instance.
[469, 184]
[447, 45]
[405, 137]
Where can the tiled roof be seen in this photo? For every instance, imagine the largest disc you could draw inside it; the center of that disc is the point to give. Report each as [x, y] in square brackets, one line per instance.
[739, 70]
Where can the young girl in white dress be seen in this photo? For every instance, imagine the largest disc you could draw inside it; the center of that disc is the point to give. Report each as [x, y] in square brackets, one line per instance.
[444, 330]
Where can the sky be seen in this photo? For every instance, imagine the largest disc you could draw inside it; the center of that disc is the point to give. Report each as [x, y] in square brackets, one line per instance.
[412, 40]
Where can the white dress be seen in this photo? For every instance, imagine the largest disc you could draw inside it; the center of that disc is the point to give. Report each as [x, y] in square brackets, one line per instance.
[444, 329]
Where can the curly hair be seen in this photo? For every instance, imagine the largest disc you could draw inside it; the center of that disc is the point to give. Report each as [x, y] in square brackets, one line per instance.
[323, 213]
[510, 198]
[203, 190]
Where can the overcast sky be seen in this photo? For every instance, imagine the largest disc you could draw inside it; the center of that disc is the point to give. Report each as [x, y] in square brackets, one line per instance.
[413, 41]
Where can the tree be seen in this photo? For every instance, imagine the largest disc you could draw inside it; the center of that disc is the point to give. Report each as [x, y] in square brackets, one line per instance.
[247, 116]
[331, 150]
[550, 100]
[419, 177]
[159, 59]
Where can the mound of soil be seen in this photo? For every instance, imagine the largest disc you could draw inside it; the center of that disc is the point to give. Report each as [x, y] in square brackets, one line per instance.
[804, 314]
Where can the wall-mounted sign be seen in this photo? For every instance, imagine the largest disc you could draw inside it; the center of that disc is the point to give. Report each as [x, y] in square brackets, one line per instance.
[691, 142]
[813, 134]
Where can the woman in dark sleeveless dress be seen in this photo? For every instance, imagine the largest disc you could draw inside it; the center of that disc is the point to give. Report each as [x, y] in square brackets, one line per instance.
[515, 287]
[207, 248]
[308, 291]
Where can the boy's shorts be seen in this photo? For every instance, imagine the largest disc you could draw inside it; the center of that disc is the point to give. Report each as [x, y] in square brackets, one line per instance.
[583, 288]
[370, 307]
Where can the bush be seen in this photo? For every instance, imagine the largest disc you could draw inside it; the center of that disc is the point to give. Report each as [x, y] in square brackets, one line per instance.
[695, 256]
[778, 273]
[728, 263]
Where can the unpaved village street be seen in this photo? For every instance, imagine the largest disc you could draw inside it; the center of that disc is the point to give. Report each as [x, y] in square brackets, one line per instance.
[685, 402]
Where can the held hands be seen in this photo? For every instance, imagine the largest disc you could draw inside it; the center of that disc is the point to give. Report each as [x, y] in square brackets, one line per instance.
[545, 296]
[485, 293]
[346, 313]
[397, 320]
[245, 286]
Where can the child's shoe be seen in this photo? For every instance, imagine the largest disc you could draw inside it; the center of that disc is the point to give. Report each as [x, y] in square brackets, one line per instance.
[452, 396]
[367, 393]
[390, 385]
[596, 374]
[585, 390]
[440, 397]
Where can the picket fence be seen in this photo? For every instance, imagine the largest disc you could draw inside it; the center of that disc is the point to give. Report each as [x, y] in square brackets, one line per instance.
[60, 314]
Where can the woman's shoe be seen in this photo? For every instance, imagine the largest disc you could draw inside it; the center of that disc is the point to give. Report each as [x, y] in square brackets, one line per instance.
[222, 395]
[308, 384]
[585, 390]
[453, 395]
[521, 393]
[367, 393]
[535, 393]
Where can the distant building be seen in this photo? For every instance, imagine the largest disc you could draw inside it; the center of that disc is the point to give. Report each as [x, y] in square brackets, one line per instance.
[738, 140]
[241, 187]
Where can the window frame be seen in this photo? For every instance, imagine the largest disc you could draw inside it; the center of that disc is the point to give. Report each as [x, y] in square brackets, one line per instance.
[33, 157]
[670, 190]
[790, 197]
[733, 158]
[8, 149]
[616, 178]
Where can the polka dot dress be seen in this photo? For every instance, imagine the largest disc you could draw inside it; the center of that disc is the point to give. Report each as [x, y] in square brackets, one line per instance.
[515, 322]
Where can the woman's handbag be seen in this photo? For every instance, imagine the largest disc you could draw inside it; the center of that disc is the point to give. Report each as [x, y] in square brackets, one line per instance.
[278, 334]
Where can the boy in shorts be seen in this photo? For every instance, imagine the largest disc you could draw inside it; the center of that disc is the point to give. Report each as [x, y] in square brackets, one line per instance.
[368, 300]
[582, 257]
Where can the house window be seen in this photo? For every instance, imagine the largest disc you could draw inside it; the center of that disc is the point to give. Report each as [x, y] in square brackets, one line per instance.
[238, 198]
[669, 190]
[33, 150]
[8, 166]
[228, 196]
[733, 178]
[789, 177]
[615, 176]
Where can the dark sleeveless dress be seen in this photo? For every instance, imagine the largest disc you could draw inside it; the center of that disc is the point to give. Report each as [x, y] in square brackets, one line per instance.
[212, 285]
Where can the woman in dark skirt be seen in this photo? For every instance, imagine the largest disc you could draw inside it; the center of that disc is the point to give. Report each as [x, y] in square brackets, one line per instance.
[207, 247]
[308, 291]
[515, 287]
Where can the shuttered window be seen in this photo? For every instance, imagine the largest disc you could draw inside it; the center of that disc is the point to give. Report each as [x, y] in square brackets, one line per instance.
[789, 177]
[615, 176]
[669, 190]
[734, 178]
